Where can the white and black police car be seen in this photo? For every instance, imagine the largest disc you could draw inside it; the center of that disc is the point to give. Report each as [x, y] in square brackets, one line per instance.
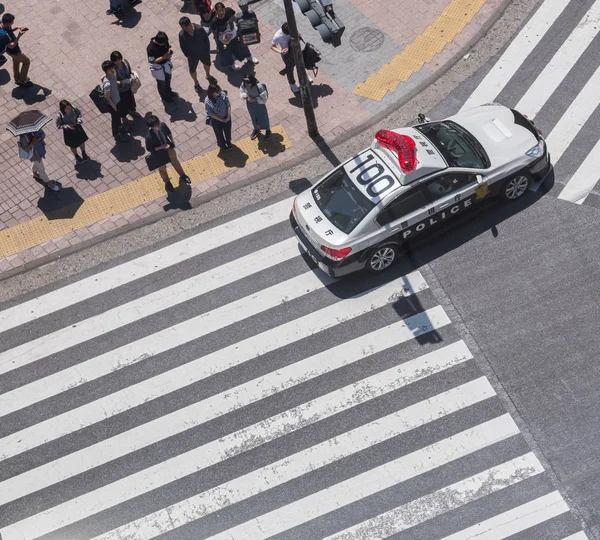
[410, 180]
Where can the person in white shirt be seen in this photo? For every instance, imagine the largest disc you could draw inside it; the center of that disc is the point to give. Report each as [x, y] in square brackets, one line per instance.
[281, 45]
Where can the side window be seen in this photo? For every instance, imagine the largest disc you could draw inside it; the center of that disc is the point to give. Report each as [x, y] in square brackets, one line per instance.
[446, 184]
[405, 204]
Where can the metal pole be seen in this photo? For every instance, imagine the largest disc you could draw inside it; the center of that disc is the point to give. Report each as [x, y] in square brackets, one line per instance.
[305, 95]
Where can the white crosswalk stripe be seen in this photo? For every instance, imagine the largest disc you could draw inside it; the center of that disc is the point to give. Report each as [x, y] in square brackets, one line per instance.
[365, 389]
[577, 179]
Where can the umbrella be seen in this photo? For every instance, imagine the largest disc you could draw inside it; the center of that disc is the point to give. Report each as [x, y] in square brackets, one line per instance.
[28, 122]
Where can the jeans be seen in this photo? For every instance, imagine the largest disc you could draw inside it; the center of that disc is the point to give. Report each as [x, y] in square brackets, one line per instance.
[115, 5]
[176, 165]
[223, 132]
[288, 60]
[20, 67]
[164, 89]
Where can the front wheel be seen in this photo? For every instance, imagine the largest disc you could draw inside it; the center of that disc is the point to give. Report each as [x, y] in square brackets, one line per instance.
[382, 258]
[516, 186]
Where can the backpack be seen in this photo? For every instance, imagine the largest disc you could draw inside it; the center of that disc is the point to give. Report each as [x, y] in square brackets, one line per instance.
[312, 57]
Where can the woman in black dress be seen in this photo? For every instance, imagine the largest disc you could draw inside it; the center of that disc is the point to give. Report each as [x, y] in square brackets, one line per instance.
[124, 74]
[69, 120]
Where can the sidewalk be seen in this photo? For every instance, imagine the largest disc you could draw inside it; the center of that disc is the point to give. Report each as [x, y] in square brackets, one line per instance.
[390, 48]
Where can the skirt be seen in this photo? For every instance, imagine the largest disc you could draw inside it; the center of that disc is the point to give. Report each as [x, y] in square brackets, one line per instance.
[74, 138]
[259, 115]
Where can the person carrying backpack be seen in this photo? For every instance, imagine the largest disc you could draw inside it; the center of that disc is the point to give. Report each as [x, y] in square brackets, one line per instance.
[281, 45]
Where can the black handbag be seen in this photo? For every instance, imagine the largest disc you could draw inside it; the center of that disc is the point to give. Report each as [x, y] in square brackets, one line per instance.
[157, 159]
[97, 96]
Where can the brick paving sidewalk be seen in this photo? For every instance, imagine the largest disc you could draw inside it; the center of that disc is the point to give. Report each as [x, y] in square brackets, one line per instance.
[68, 40]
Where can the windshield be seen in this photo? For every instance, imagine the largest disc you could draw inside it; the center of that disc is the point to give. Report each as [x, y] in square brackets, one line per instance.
[341, 201]
[456, 144]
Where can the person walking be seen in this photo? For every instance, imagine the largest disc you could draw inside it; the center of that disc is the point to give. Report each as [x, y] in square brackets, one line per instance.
[246, 17]
[225, 34]
[218, 113]
[20, 61]
[159, 53]
[281, 45]
[124, 76]
[195, 46]
[113, 98]
[70, 121]
[34, 147]
[159, 140]
[256, 94]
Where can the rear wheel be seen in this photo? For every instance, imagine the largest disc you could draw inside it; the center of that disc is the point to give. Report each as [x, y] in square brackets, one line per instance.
[381, 258]
[516, 186]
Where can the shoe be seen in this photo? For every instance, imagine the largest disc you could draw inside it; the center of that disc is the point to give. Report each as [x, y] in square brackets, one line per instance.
[198, 89]
[169, 187]
[294, 88]
[310, 79]
[78, 159]
[185, 179]
[85, 158]
[26, 83]
[253, 59]
[254, 134]
[236, 66]
[52, 185]
[268, 135]
[117, 11]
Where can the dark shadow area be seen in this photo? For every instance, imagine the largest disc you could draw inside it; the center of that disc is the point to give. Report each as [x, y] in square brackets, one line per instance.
[234, 158]
[32, 94]
[128, 151]
[272, 147]
[2, 9]
[187, 8]
[181, 110]
[138, 126]
[299, 185]
[322, 145]
[234, 78]
[90, 170]
[62, 204]
[316, 91]
[130, 16]
[179, 199]
[4, 76]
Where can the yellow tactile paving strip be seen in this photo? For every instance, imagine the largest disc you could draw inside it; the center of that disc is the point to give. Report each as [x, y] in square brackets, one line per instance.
[126, 197]
[421, 51]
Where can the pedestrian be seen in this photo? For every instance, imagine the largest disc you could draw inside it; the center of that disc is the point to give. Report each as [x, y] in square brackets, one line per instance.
[256, 94]
[206, 12]
[281, 45]
[159, 140]
[218, 114]
[124, 78]
[21, 62]
[70, 121]
[225, 34]
[113, 98]
[195, 46]
[116, 7]
[34, 147]
[247, 22]
[159, 53]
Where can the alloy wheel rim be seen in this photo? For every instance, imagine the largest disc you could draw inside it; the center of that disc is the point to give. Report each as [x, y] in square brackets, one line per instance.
[516, 187]
[382, 258]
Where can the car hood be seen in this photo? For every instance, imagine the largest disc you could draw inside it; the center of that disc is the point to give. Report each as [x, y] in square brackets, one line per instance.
[494, 126]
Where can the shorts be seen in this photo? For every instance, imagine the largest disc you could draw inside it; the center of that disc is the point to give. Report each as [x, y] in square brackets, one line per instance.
[193, 62]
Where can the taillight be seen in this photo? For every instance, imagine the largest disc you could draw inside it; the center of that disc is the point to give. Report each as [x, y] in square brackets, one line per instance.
[336, 254]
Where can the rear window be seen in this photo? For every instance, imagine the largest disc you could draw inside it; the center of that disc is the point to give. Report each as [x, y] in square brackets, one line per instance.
[341, 201]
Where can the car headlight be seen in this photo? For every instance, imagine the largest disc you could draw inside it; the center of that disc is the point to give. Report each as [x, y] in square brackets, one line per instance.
[537, 150]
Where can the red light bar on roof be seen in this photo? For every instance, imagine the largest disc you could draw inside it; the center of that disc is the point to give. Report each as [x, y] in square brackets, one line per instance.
[402, 145]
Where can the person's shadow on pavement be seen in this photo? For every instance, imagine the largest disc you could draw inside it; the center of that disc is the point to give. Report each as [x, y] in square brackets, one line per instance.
[179, 199]
[235, 158]
[31, 94]
[128, 151]
[181, 110]
[272, 147]
[130, 16]
[62, 204]
[90, 170]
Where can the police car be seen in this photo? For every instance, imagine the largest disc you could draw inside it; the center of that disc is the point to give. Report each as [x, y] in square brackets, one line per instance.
[413, 179]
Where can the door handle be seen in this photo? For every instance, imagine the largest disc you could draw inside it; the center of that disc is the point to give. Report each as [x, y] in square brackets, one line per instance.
[442, 206]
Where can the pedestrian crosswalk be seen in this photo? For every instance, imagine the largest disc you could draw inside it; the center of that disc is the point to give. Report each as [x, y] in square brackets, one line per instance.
[552, 76]
[221, 387]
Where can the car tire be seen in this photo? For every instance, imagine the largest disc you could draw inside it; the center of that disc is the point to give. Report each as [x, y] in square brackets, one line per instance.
[516, 186]
[381, 258]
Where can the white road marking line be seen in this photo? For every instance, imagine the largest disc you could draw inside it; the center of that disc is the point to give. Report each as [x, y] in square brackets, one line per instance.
[515, 520]
[145, 306]
[226, 358]
[585, 178]
[562, 62]
[163, 340]
[443, 500]
[253, 436]
[214, 406]
[143, 266]
[582, 107]
[577, 536]
[311, 459]
[516, 53]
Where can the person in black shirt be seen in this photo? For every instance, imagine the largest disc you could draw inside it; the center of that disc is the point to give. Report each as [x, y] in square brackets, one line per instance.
[225, 33]
[20, 61]
[159, 56]
[194, 44]
[206, 12]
